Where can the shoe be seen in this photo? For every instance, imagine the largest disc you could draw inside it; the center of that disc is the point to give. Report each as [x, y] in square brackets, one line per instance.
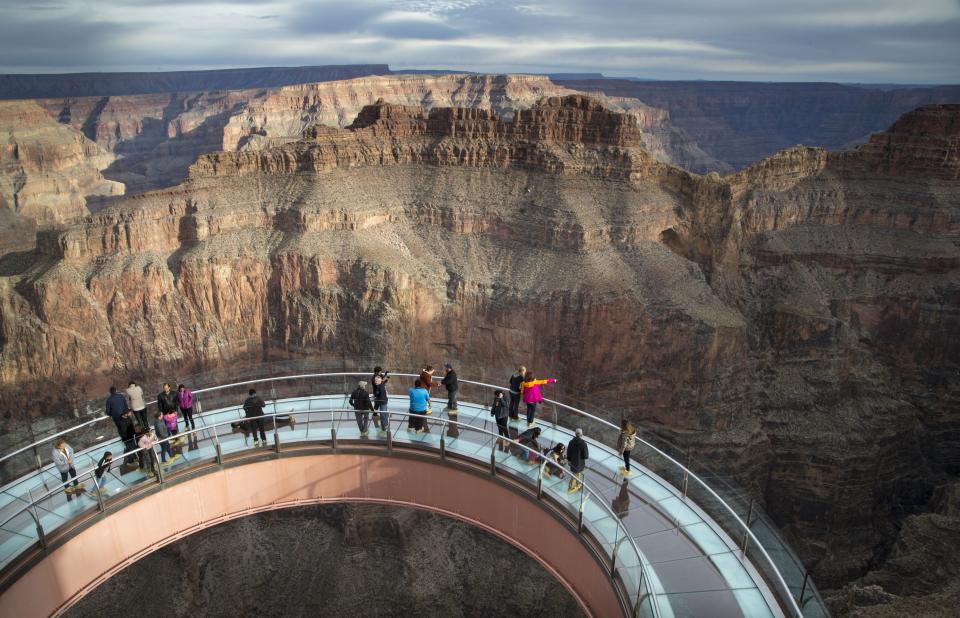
[572, 489]
[364, 434]
[529, 425]
[173, 459]
[421, 430]
[256, 443]
[69, 490]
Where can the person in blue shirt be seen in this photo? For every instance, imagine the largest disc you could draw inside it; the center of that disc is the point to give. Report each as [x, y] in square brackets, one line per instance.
[419, 402]
[116, 405]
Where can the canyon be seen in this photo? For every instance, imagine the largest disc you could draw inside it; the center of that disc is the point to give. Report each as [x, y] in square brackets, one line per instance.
[793, 323]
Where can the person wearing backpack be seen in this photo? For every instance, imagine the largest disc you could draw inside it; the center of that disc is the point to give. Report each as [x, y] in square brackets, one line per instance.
[362, 405]
[515, 381]
[452, 385]
[625, 444]
[500, 414]
[253, 409]
[577, 455]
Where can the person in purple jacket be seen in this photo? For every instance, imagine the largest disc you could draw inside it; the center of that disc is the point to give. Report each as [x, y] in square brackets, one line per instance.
[185, 403]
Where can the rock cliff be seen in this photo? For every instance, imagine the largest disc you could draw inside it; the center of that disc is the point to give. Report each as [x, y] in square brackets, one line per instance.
[791, 323]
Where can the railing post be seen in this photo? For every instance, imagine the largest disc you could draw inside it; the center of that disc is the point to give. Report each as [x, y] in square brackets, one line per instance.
[217, 447]
[96, 484]
[389, 440]
[636, 610]
[686, 472]
[580, 515]
[32, 509]
[543, 464]
[746, 532]
[803, 589]
[276, 435]
[443, 446]
[333, 435]
[493, 460]
[36, 455]
[156, 461]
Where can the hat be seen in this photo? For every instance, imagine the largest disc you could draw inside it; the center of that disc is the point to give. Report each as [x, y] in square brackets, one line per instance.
[447, 366]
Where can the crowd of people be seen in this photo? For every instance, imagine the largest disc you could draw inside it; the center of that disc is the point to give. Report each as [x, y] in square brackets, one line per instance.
[128, 410]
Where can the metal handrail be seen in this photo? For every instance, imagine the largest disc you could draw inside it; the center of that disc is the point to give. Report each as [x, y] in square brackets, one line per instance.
[684, 469]
[545, 461]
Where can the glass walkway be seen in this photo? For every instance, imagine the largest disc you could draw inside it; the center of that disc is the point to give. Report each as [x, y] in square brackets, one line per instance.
[668, 555]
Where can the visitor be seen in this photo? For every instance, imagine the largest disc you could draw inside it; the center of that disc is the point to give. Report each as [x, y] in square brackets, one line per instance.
[419, 404]
[530, 439]
[426, 379]
[381, 398]
[453, 385]
[625, 444]
[253, 409]
[136, 403]
[515, 381]
[162, 433]
[360, 400]
[146, 441]
[170, 420]
[167, 401]
[530, 388]
[185, 403]
[138, 432]
[558, 455]
[500, 414]
[116, 404]
[63, 460]
[103, 466]
[577, 455]
[127, 435]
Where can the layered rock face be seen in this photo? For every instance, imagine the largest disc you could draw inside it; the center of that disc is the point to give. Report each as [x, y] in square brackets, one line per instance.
[335, 560]
[792, 323]
[739, 124]
[47, 171]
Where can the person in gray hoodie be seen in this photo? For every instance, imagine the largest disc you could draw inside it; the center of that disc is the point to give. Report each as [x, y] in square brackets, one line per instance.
[160, 428]
[63, 460]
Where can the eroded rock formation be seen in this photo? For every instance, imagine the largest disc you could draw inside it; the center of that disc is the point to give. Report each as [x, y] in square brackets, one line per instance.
[792, 323]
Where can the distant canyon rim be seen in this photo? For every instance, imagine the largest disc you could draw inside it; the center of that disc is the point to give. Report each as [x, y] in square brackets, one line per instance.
[792, 318]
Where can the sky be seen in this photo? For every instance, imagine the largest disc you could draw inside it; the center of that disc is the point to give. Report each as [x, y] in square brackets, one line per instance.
[866, 41]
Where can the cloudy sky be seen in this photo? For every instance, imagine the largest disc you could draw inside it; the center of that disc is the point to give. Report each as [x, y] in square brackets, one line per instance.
[906, 41]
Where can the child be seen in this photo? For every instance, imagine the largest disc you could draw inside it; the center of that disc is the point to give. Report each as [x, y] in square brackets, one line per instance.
[170, 419]
[558, 455]
[102, 468]
[147, 440]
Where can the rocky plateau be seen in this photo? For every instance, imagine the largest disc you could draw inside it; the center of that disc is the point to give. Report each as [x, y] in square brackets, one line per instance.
[794, 323]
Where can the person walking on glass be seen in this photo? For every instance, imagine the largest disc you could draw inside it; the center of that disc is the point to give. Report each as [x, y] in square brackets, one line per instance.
[577, 455]
[361, 403]
[381, 397]
[63, 460]
[453, 385]
[185, 403]
[253, 410]
[136, 403]
[500, 414]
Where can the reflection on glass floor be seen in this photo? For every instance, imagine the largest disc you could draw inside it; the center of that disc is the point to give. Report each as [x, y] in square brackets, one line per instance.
[694, 569]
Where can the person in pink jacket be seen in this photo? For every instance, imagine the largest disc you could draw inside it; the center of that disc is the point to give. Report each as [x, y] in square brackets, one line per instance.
[185, 403]
[530, 391]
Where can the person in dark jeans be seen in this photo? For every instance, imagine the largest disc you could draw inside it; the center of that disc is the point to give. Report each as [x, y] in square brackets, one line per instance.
[625, 444]
[360, 400]
[500, 414]
[167, 400]
[453, 385]
[515, 381]
[185, 403]
[577, 455]
[253, 410]
[103, 466]
[381, 397]
[63, 460]
[116, 404]
[127, 435]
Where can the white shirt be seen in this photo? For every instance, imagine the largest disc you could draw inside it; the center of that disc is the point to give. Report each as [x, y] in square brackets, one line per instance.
[135, 397]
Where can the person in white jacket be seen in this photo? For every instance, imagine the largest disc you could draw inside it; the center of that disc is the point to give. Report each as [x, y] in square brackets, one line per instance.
[63, 460]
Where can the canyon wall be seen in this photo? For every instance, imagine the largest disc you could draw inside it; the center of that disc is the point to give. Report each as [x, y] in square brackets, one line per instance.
[740, 123]
[335, 560]
[791, 323]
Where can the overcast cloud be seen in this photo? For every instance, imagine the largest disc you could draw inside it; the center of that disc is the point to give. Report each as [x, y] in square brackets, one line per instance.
[906, 41]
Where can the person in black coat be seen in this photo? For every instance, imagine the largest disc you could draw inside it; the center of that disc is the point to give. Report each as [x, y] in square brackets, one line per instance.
[125, 428]
[500, 414]
[116, 404]
[515, 381]
[253, 409]
[453, 385]
[361, 402]
[167, 400]
[577, 455]
[381, 397]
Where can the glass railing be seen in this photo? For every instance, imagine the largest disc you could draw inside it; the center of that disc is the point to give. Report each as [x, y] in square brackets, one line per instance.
[223, 433]
[716, 500]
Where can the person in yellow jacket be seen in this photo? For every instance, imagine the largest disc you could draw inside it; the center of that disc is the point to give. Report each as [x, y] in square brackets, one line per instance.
[530, 390]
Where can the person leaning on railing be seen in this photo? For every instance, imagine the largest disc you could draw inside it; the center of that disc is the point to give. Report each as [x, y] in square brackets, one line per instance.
[453, 385]
[530, 389]
[63, 460]
[419, 404]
